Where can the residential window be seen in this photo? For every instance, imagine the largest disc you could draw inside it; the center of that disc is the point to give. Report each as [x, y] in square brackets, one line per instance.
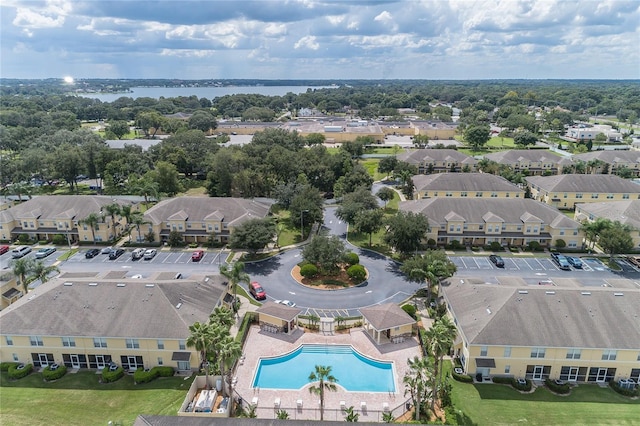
[99, 342]
[578, 195]
[609, 355]
[537, 352]
[484, 350]
[457, 228]
[594, 196]
[435, 194]
[9, 340]
[519, 228]
[160, 344]
[480, 227]
[562, 232]
[507, 369]
[69, 341]
[15, 357]
[463, 194]
[494, 194]
[574, 354]
[448, 194]
[507, 351]
[182, 345]
[528, 229]
[36, 340]
[565, 195]
[133, 344]
[609, 196]
[478, 194]
[625, 196]
[160, 362]
[450, 228]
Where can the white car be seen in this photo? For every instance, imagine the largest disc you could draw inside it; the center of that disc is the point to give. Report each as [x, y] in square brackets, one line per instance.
[106, 250]
[149, 254]
[286, 303]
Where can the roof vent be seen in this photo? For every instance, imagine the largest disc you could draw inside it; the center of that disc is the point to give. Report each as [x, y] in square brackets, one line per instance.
[585, 293]
[523, 292]
[489, 311]
[549, 292]
[68, 284]
[149, 285]
[121, 285]
[178, 305]
[93, 284]
[618, 294]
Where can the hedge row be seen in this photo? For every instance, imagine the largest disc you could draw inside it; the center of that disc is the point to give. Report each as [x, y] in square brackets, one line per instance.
[4, 366]
[145, 376]
[513, 382]
[19, 373]
[562, 389]
[49, 374]
[626, 392]
[465, 378]
[112, 376]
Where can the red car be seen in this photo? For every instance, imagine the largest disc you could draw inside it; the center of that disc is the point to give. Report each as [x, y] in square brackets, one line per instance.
[257, 291]
[197, 255]
[4, 249]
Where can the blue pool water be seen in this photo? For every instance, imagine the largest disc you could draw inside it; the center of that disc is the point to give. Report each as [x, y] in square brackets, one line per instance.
[355, 372]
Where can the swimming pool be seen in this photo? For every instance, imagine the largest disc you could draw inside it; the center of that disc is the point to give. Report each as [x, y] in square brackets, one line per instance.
[354, 371]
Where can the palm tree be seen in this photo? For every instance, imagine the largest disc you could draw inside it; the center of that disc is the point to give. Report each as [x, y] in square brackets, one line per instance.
[201, 339]
[322, 374]
[282, 415]
[21, 268]
[92, 221]
[146, 188]
[222, 316]
[235, 275]
[416, 380]
[41, 272]
[351, 416]
[593, 229]
[137, 220]
[112, 210]
[439, 340]
[229, 352]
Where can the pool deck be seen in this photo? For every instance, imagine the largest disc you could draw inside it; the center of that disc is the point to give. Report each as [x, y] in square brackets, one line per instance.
[263, 344]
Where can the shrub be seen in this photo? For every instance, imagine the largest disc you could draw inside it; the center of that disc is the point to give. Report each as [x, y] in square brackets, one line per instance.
[150, 237]
[431, 243]
[357, 273]
[43, 242]
[193, 245]
[59, 239]
[503, 380]
[562, 389]
[249, 318]
[560, 243]
[4, 366]
[455, 245]
[309, 270]
[112, 376]
[495, 246]
[626, 392]
[464, 378]
[526, 387]
[165, 371]
[15, 372]
[410, 310]
[534, 246]
[351, 258]
[23, 238]
[49, 374]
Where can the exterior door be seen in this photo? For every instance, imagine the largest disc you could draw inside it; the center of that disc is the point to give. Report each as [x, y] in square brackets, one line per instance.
[100, 361]
[602, 375]
[75, 361]
[43, 360]
[131, 360]
[537, 372]
[573, 374]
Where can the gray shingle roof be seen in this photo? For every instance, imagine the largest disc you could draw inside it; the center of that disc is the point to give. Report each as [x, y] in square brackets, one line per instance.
[139, 309]
[607, 184]
[611, 157]
[463, 182]
[49, 207]
[627, 211]
[430, 155]
[490, 314]
[279, 311]
[232, 210]
[384, 317]
[474, 210]
[513, 156]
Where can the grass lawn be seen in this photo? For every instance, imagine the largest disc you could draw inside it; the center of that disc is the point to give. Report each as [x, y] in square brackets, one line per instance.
[78, 399]
[498, 142]
[371, 165]
[491, 404]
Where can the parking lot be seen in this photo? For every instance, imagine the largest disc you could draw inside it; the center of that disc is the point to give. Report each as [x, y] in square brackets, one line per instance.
[162, 257]
[540, 264]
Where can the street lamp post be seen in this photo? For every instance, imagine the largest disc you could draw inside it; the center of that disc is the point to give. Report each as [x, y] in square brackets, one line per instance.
[302, 224]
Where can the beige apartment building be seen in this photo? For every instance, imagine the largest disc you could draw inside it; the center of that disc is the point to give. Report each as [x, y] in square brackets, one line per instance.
[564, 191]
[464, 185]
[430, 161]
[536, 162]
[92, 322]
[509, 221]
[610, 161]
[626, 212]
[538, 333]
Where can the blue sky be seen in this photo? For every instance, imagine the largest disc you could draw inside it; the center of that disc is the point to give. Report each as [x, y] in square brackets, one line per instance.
[321, 39]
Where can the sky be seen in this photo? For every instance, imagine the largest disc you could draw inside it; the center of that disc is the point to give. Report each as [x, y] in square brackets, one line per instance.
[321, 39]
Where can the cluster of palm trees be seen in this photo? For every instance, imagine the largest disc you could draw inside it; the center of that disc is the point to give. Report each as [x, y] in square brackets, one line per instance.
[218, 349]
[423, 380]
[28, 269]
[133, 218]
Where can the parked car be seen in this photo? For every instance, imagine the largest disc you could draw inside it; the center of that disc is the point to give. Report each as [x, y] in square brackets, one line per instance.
[197, 255]
[286, 303]
[116, 253]
[106, 250]
[4, 249]
[149, 254]
[91, 253]
[575, 262]
[497, 260]
[44, 252]
[21, 251]
[137, 253]
[561, 261]
[257, 291]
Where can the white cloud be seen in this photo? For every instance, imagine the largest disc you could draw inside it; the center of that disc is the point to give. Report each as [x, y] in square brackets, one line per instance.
[307, 42]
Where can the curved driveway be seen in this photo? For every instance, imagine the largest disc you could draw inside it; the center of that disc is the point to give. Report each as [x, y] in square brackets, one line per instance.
[385, 284]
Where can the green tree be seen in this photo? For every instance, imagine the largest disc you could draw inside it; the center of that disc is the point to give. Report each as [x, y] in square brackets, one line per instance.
[440, 337]
[144, 186]
[355, 202]
[203, 120]
[616, 239]
[92, 221]
[525, 138]
[350, 415]
[326, 382]
[369, 222]
[165, 175]
[175, 239]
[430, 268]
[113, 210]
[118, 128]
[325, 251]
[477, 136]
[229, 350]
[137, 220]
[282, 415]
[150, 122]
[416, 381]
[201, 339]
[21, 268]
[593, 229]
[387, 165]
[405, 231]
[386, 194]
[253, 235]
[315, 139]
[235, 274]
[41, 271]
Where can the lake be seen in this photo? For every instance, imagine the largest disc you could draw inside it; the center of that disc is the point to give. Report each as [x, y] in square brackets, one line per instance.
[200, 92]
